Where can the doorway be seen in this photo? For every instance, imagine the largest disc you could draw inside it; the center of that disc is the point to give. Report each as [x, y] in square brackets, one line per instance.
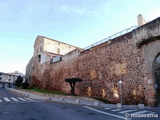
[156, 76]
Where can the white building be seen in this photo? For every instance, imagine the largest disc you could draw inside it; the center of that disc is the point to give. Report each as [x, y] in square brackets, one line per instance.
[7, 78]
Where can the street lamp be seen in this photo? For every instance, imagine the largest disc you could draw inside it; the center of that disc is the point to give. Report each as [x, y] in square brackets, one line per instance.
[120, 84]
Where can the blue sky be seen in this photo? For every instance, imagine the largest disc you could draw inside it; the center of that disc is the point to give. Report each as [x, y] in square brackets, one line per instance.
[76, 22]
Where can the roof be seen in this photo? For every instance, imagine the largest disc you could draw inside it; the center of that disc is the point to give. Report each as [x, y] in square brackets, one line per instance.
[52, 54]
[54, 40]
[8, 74]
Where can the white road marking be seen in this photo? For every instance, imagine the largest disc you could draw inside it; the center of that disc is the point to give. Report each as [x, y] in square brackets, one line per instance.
[0, 100]
[29, 99]
[102, 112]
[107, 108]
[140, 112]
[116, 110]
[126, 111]
[14, 99]
[6, 99]
[21, 99]
[152, 113]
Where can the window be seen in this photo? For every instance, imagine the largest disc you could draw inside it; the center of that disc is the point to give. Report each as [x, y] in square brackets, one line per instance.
[39, 58]
[58, 51]
[59, 43]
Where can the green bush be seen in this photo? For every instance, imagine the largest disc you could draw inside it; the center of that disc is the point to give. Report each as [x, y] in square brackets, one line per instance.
[25, 85]
[19, 81]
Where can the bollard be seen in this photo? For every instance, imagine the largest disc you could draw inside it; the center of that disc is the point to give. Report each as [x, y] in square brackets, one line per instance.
[27, 95]
[141, 106]
[77, 101]
[96, 103]
[119, 105]
[62, 99]
[49, 98]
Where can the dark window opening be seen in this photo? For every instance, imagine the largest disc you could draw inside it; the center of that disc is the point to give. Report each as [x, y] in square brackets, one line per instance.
[39, 58]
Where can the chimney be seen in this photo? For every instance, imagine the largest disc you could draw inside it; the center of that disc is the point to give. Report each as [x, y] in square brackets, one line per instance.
[141, 20]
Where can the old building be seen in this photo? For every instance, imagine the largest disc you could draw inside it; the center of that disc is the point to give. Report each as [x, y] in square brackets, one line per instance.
[133, 57]
[7, 78]
[47, 50]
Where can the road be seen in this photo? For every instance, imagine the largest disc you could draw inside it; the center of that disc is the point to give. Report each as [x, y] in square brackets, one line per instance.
[15, 107]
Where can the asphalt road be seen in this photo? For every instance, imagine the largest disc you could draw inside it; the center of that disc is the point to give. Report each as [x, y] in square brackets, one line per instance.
[15, 107]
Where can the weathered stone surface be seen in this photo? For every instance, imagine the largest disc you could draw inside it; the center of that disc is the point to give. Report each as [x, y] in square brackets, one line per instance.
[102, 66]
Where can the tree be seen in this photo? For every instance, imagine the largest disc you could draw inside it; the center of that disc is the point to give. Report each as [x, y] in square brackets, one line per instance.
[72, 83]
[19, 81]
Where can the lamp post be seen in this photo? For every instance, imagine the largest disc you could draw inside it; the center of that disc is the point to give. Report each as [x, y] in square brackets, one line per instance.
[120, 84]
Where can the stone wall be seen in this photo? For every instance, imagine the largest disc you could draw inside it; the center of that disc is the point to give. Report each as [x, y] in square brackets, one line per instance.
[29, 69]
[71, 54]
[101, 67]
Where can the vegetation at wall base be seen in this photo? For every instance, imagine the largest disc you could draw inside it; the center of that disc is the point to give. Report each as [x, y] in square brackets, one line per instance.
[25, 85]
[45, 91]
[34, 89]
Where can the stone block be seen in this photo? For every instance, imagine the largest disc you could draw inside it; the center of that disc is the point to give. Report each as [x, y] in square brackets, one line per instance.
[141, 106]
[96, 103]
[62, 99]
[119, 105]
[77, 101]
[27, 95]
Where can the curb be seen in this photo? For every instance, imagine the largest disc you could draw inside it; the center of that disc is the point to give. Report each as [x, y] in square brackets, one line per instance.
[76, 100]
[58, 98]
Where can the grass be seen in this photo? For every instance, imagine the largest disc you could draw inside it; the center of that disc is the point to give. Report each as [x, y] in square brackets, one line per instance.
[45, 91]
[61, 93]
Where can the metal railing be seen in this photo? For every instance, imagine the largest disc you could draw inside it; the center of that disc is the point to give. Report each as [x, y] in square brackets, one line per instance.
[112, 37]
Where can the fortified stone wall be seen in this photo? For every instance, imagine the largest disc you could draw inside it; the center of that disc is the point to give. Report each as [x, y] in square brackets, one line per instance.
[102, 66]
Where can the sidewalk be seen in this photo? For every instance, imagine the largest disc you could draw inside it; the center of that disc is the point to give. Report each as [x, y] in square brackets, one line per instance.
[74, 99]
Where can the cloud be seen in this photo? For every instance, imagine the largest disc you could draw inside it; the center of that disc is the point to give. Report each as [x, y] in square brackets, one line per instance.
[79, 11]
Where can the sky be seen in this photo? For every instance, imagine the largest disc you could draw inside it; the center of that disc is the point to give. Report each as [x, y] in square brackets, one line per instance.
[76, 22]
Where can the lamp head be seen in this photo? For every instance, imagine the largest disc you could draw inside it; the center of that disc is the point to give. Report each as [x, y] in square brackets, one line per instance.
[120, 82]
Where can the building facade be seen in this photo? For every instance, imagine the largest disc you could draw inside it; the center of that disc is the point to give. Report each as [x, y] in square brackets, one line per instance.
[7, 78]
[46, 50]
